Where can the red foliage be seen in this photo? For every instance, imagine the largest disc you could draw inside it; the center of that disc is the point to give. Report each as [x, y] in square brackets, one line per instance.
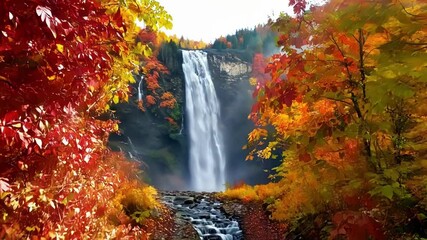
[360, 200]
[355, 225]
[146, 36]
[55, 59]
[168, 101]
[259, 64]
[298, 6]
[257, 224]
[238, 184]
[171, 121]
[46, 76]
[153, 70]
[141, 105]
[150, 100]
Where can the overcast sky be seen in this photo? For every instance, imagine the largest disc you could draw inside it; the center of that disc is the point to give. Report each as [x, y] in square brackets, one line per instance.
[208, 19]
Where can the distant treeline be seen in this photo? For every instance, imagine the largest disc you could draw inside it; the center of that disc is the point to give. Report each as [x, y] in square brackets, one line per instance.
[260, 39]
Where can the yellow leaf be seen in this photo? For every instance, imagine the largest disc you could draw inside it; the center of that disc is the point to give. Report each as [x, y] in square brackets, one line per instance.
[32, 228]
[51, 78]
[60, 47]
[389, 74]
[116, 99]
[252, 81]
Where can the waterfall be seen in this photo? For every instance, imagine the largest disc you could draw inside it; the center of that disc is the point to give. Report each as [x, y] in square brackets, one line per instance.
[132, 147]
[207, 161]
[140, 93]
[182, 123]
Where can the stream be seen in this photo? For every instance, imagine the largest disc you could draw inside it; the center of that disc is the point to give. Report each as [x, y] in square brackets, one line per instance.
[205, 215]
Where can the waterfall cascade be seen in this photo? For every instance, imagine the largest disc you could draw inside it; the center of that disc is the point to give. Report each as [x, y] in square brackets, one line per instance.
[205, 214]
[182, 123]
[207, 161]
[140, 93]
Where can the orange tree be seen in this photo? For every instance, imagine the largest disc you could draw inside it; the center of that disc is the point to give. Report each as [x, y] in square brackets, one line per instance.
[155, 95]
[61, 64]
[343, 110]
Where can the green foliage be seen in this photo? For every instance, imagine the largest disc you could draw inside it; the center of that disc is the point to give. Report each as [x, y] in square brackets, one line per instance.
[139, 217]
[169, 55]
[165, 157]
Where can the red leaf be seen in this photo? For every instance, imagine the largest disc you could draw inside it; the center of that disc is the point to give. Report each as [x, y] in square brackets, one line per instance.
[46, 16]
[10, 117]
[305, 157]
[288, 96]
[298, 5]
[9, 132]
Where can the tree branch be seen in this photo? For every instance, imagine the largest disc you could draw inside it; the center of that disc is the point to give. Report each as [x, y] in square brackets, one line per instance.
[406, 11]
[361, 42]
[5, 80]
[338, 100]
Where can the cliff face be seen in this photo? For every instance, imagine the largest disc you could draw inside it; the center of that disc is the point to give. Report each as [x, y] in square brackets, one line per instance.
[228, 66]
[230, 71]
[148, 138]
[230, 74]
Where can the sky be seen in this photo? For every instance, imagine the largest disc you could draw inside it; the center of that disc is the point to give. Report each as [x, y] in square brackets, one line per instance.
[209, 19]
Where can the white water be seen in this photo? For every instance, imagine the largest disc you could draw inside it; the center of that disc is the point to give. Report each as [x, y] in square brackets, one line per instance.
[205, 215]
[207, 161]
[182, 123]
[140, 93]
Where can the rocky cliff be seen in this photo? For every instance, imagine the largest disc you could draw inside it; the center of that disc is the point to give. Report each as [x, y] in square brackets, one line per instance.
[231, 70]
[163, 149]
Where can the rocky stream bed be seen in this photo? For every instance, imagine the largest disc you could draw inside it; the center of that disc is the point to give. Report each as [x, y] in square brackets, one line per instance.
[205, 213]
[204, 216]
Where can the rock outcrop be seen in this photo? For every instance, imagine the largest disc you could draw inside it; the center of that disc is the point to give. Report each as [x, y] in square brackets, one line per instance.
[229, 72]
[228, 66]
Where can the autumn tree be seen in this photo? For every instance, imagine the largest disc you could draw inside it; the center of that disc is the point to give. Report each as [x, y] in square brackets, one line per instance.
[61, 65]
[188, 43]
[343, 111]
[259, 63]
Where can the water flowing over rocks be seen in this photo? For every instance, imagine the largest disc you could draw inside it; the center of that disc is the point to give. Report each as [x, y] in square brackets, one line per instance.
[205, 213]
